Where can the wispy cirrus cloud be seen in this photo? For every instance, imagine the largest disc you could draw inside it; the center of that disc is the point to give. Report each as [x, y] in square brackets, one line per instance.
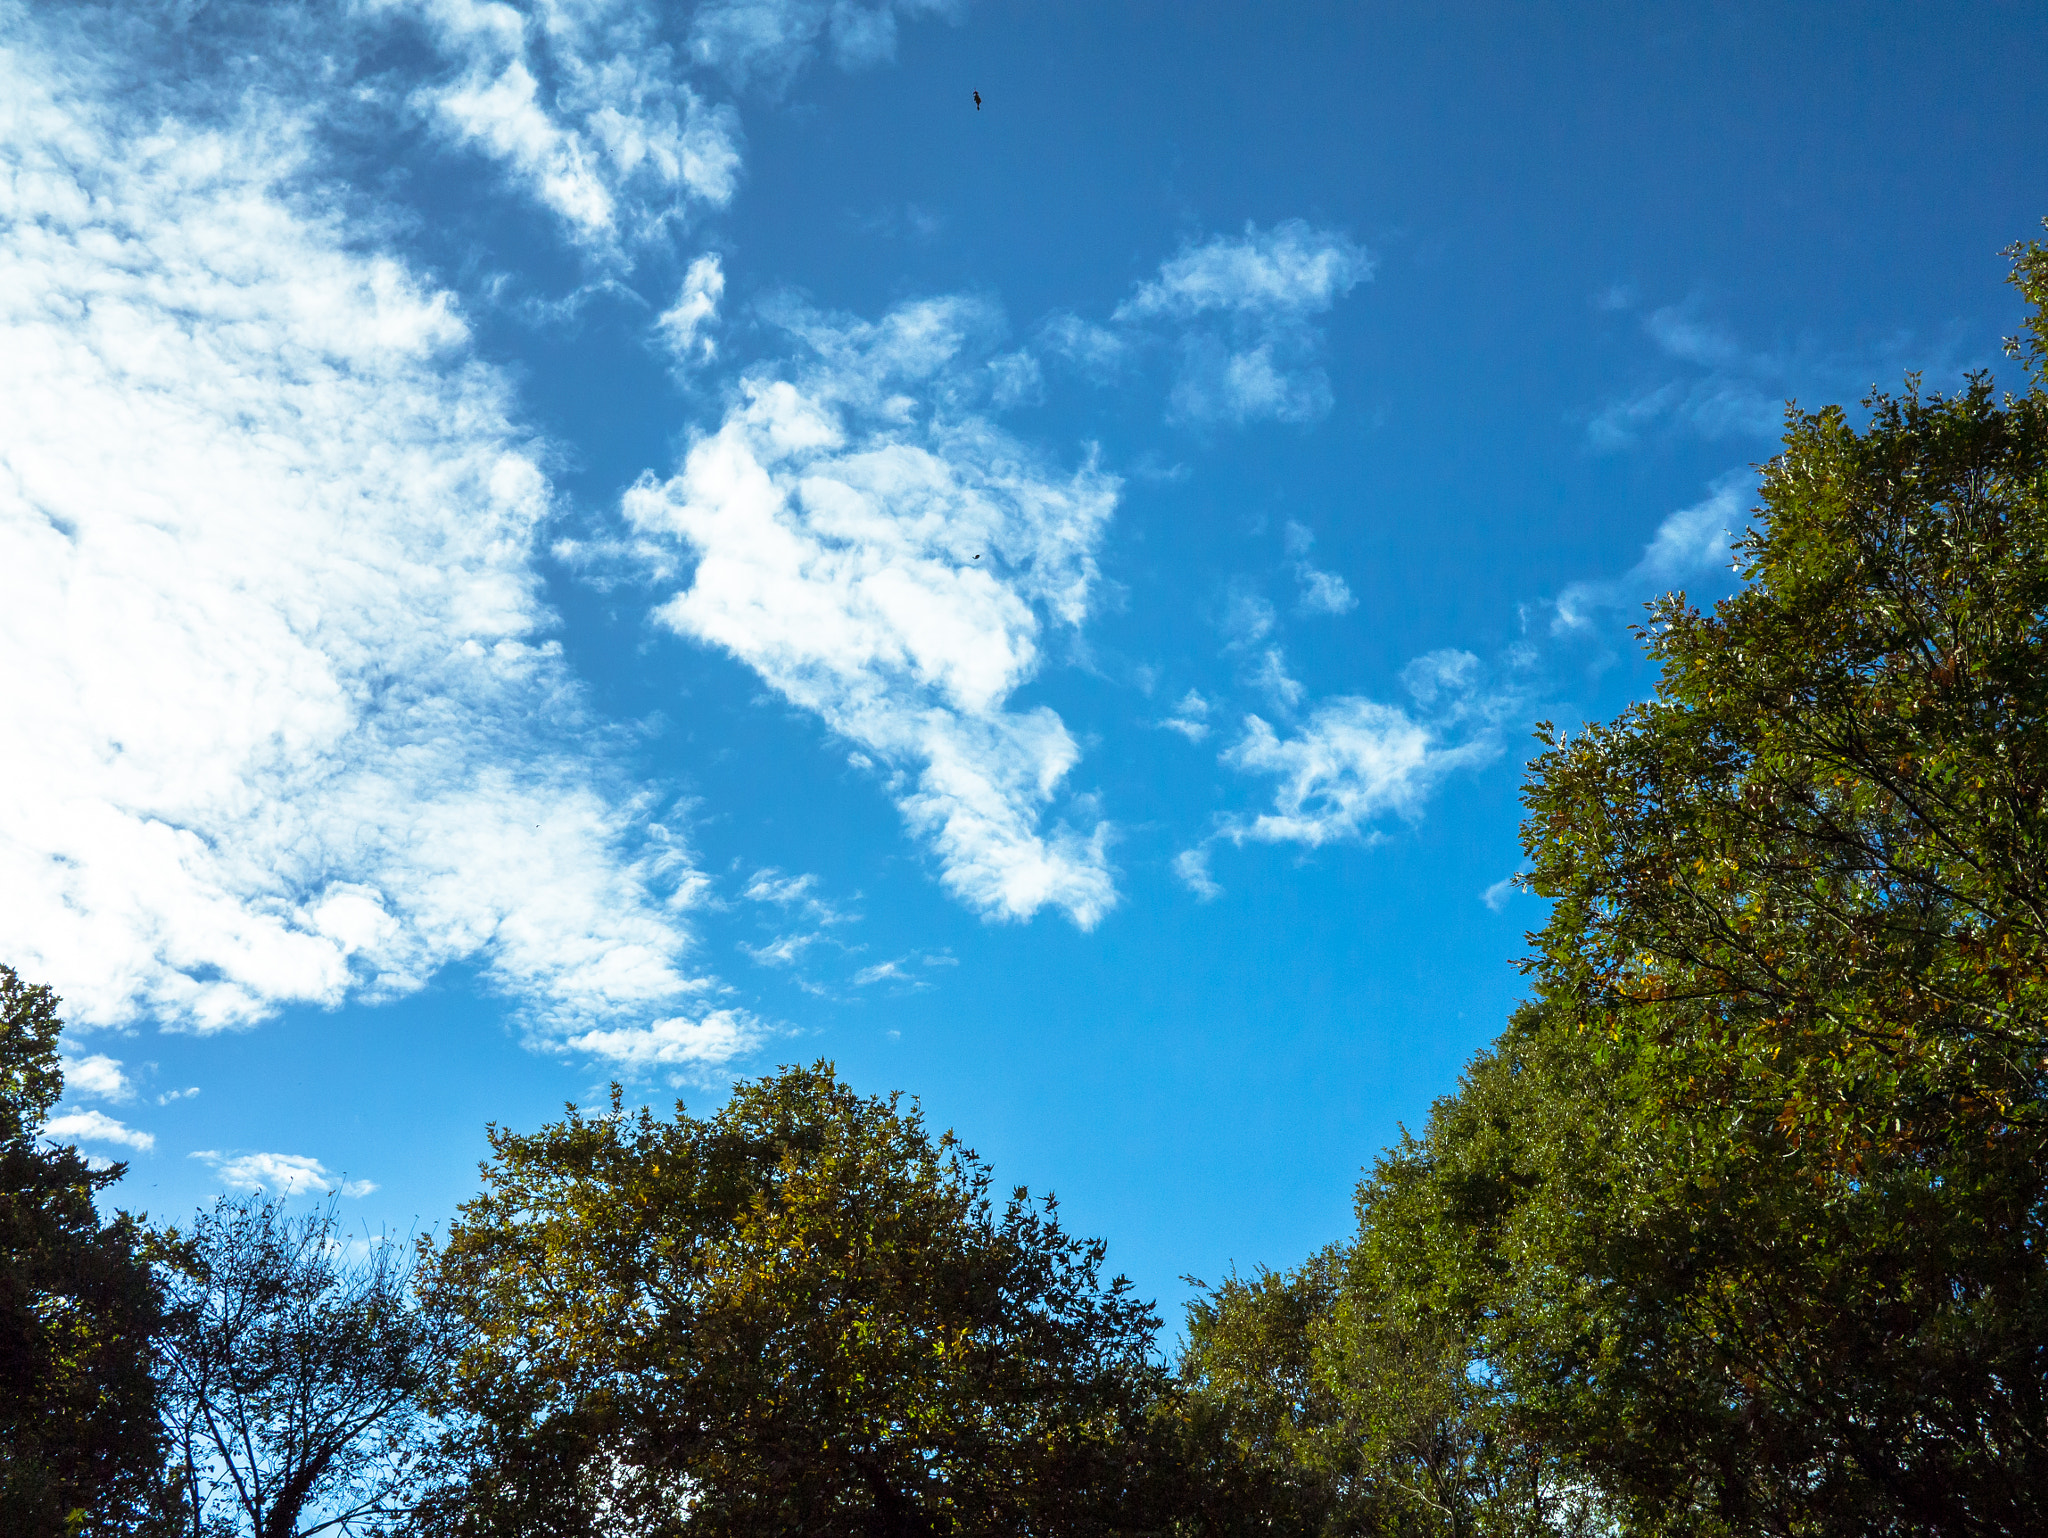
[1189, 717]
[1350, 763]
[584, 105]
[876, 549]
[288, 723]
[1691, 542]
[1715, 386]
[685, 326]
[765, 42]
[1244, 310]
[1321, 592]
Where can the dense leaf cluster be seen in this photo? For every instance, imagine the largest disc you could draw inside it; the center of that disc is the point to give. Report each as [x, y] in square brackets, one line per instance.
[80, 1452]
[801, 1315]
[1742, 1226]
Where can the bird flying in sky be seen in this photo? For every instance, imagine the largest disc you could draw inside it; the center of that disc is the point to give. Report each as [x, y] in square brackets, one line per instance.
[977, 101]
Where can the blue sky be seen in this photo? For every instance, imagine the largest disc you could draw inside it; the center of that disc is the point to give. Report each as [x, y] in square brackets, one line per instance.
[585, 539]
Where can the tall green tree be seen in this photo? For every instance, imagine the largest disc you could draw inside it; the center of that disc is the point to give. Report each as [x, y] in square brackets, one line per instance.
[1801, 910]
[1742, 1225]
[79, 1447]
[804, 1314]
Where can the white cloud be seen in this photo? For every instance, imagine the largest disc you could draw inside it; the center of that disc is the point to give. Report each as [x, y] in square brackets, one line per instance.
[1496, 896]
[704, 1043]
[798, 892]
[1714, 407]
[767, 41]
[1271, 678]
[1682, 334]
[1248, 350]
[1192, 866]
[1322, 592]
[1445, 681]
[1015, 380]
[98, 1076]
[285, 723]
[683, 324]
[582, 102]
[1247, 617]
[783, 951]
[1097, 351]
[280, 1174]
[1190, 717]
[1222, 383]
[1290, 270]
[1689, 543]
[96, 1127]
[885, 557]
[887, 972]
[1353, 761]
[1724, 389]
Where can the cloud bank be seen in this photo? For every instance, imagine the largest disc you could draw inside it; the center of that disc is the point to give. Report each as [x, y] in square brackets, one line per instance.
[286, 725]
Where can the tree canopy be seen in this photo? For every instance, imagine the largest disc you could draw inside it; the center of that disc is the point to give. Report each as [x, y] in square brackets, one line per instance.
[79, 1449]
[804, 1313]
[1742, 1226]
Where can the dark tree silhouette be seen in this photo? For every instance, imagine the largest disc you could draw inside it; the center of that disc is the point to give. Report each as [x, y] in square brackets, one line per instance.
[291, 1374]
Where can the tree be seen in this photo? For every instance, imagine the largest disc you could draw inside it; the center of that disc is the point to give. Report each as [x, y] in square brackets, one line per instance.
[292, 1372]
[1801, 902]
[1357, 1390]
[1741, 1227]
[803, 1314]
[79, 1451]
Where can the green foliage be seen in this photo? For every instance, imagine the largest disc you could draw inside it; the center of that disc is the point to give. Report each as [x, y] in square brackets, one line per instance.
[1801, 920]
[1742, 1227]
[802, 1314]
[79, 1449]
[1363, 1384]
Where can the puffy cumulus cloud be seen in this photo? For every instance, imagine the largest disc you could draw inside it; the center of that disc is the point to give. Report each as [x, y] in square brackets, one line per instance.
[98, 1076]
[1352, 761]
[707, 1042]
[284, 724]
[882, 555]
[1248, 348]
[279, 1174]
[96, 1127]
[584, 104]
[1690, 543]
[766, 42]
